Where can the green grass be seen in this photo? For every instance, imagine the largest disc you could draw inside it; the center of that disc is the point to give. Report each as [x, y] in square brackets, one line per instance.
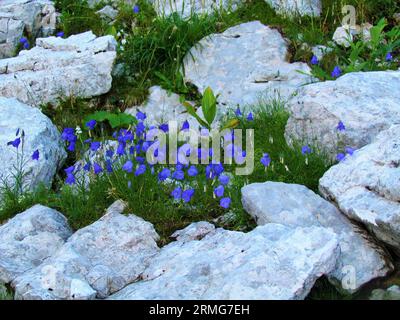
[154, 54]
[5, 293]
[288, 163]
[76, 17]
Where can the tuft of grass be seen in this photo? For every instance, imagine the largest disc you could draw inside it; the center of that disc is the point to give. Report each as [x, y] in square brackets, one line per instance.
[154, 54]
[5, 293]
[77, 17]
[288, 163]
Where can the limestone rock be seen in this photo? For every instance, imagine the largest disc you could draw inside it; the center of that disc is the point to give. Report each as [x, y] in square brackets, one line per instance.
[162, 107]
[186, 8]
[301, 208]
[245, 63]
[29, 238]
[297, 7]
[366, 186]
[108, 12]
[96, 261]
[270, 262]
[40, 134]
[366, 103]
[80, 65]
[195, 231]
[320, 51]
[37, 18]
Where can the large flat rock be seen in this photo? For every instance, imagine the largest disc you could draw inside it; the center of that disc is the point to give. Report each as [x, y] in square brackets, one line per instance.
[78, 66]
[366, 186]
[296, 206]
[245, 63]
[271, 262]
[366, 102]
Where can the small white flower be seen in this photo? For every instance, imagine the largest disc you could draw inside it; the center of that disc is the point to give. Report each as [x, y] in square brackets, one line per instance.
[123, 41]
[78, 130]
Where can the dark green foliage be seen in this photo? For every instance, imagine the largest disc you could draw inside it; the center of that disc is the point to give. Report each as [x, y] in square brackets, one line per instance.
[77, 16]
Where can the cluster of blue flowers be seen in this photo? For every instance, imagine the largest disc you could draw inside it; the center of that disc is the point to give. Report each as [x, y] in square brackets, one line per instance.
[129, 155]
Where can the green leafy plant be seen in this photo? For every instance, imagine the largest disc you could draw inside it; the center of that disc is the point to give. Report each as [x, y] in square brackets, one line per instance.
[374, 54]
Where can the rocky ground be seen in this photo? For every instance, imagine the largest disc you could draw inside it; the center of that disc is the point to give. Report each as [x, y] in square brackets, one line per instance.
[84, 216]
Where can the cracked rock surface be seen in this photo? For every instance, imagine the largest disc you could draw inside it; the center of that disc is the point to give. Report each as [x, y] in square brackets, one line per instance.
[366, 102]
[96, 261]
[29, 238]
[78, 66]
[302, 208]
[366, 186]
[243, 64]
[270, 262]
[35, 17]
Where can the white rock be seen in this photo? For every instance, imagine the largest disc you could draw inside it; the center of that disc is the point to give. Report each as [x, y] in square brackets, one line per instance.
[162, 107]
[40, 134]
[343, 36]
[245, 63]
[271, 262]
[11, 31]
[366, 102]
[302, 208]
[108, 12]
[365, 31]
[28, 239]
[297, 7]
[82, 176]
[366, 186]
[80, 65]
[37, 17]
[320, 51]
[96, 261]
[195, 231]
[185, 8]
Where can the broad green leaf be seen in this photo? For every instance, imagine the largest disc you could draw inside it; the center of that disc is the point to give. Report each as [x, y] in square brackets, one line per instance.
[209, 105]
